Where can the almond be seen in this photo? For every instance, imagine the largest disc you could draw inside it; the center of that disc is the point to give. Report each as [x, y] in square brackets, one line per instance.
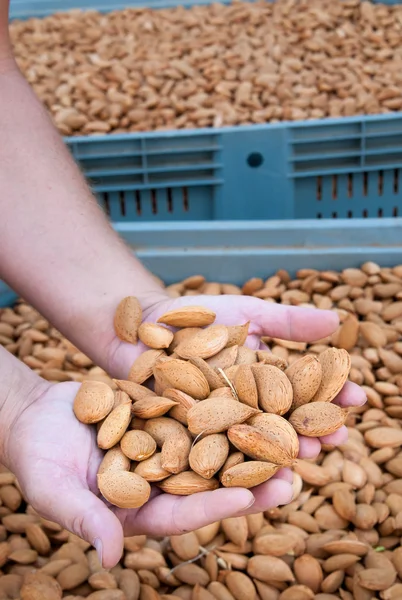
[246, 386]
[335, 364]
[308, 572]
[187, 483]
[266, 357]
[134, 390]
[213, 378]
[245, 356]
[137, 445]
[185, 377]
[237, 334]
[154, 406]
[318, 419]
[305, 376]
[236, 458]
[188, 316]
[183, 404]
[174, 440]
[240, 586]
[347, 335]
[204, 344]
[275, 393]
[155, 336]
[373, 334]
[39, 586]
[127, 319]
[181, 335]
[186, 546]
[384, 437]
[277, 445]
[114, 426]
[93, 402]
[38, 538]
[209, 454]
[269, 568]
[224, 359]
[151, 468]
[114, 460]
[143, 366]
[248, 474]
[217, 415]
[124, 489]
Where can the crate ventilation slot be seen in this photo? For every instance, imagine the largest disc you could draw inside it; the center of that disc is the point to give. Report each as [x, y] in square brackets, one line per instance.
[144, 202]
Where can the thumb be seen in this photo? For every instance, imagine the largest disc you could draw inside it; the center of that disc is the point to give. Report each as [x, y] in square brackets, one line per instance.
[84, 514]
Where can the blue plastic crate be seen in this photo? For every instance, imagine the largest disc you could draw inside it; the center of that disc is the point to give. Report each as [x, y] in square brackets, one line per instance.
[332, 168]
[234, 251]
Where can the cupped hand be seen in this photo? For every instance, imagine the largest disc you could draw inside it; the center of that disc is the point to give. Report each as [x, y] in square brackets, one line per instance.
[56, 458]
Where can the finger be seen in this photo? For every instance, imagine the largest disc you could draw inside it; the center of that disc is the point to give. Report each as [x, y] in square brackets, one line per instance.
[272, 493]
[309, 447]
[83, 513]
[350, 395]
[173, 515]
[285, 474]
[253, 342]
[337, 438]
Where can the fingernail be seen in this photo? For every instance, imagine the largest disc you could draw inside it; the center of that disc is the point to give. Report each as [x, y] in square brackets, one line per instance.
[287, 497]
[250, 504]
[99, 548]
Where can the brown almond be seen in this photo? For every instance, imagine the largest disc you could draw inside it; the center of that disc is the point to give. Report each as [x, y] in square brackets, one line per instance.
[335, 364]
[224, 359]
[151, 469]
[269, 568]
[143, 366]
[308, 572]
[72, 576]
[155, 336]
[347, 335]
[38, 538]
[245, 385]
[114, 426]
[124, 489]
[217, 415]
[340, 561]
[210, 374]
[145, 558]
[114, 460]
[134, 390]
[209, 454]
[183, 404]
[318, 419]
[275, 393]
[38, 586]
[384, 437]
[245, 356]
[154, 406]
[373, 334]
[187, 483]
[174, 440]
[127, 319]
[188, 316]
[186, 546]
[137, 445]
[237, 334]
[279, 445]
[185, 377]
[305, 376]
[248, 474]
[240, 586]
[93, 402]
[204, 344]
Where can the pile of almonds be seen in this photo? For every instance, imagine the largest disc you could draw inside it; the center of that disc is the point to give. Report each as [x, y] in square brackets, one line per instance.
[223, 404]
[339, 539]
[216, 65]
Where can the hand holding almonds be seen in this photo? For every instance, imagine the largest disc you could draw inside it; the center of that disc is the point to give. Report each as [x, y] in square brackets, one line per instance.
[220, 414]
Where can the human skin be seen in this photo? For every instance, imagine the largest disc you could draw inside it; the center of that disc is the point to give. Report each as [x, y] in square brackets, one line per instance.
[59, 252]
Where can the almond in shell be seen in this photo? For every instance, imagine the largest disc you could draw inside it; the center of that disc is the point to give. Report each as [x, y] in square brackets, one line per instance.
[335, 364]
[183, 404]
[318, 419]
[114, 460]
[275, 393]
[259, 446]
[182, 335]
[151, 469]
[279, 435]
[235, 458]
[183, 376]
[213, 378]
[142, 368]
[245, 385]
[187, 483]
[134, 390]
[248, 474]
[155, 336]
[174, 441]
[305, 376]
[237, 334]
[114, 426]
[137, 445]
[224, 359]
[127, 319]
[209, 454]
[93, 402]
[268, 358]
[245, 356]
[124, 489]
[188, 316]
[151, 407]
[204, 344]
[217, 415]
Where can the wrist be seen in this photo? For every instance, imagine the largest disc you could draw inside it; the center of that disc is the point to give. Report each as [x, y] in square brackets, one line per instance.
[19, 388]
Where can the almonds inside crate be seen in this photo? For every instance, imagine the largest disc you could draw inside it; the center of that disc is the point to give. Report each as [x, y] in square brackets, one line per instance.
[339, 539]
[195, 454]
[217, 65]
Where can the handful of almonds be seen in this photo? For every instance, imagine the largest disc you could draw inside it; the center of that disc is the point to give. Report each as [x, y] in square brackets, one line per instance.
[220, 413]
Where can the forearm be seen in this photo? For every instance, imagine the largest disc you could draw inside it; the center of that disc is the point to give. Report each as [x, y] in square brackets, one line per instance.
[56, 247]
